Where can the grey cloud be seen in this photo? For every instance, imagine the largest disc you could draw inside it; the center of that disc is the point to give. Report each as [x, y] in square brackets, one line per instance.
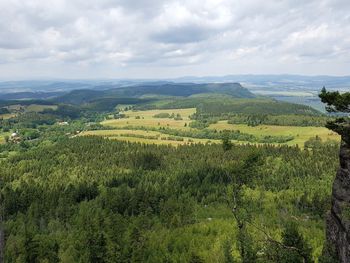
[185, 35]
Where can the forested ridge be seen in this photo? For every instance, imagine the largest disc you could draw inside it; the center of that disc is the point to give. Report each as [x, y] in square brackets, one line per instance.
[94, 200]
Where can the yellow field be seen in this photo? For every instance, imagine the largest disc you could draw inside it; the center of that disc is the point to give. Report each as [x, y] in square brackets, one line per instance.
[7, 116]
[2, 136]
[163, 142]
[301, 134]
[185, 113]
[29, 108]
[39, 108]
[15, 107]
[121, 135]
[147, 119]
[114, 133]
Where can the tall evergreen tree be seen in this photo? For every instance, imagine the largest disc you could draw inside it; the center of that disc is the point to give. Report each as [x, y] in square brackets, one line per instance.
[338, 103]
[299, 251]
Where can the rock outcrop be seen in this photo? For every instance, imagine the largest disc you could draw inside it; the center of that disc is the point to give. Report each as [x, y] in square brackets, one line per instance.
[338, 220]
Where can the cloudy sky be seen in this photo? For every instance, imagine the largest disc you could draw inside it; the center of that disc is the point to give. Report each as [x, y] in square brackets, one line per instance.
[158, 39]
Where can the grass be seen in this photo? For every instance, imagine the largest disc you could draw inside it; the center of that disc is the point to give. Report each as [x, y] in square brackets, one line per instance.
[29, 108]
[7, 116]
[121, 107]
[39, 108]
[15, 107]
[301, 134]
[2, 136]
[121, 135]
[114, 133]
[147, 120]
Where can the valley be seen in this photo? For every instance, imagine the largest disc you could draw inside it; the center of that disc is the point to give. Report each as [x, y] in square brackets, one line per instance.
[195, 173]
[174, 131]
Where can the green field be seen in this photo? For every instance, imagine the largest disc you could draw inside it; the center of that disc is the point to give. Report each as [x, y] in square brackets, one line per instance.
[127, 129]
[7, 116]
[301, 134]
[39, 108]
[147, 120]
[144, 137]
[2, 136]
[24, 108]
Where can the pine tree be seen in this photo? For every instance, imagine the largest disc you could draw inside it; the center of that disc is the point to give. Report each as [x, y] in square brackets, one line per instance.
[338, 103]
[299, 250]
[226, 142]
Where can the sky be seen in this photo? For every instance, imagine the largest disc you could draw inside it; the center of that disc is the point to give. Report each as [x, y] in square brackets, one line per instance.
[160, 39]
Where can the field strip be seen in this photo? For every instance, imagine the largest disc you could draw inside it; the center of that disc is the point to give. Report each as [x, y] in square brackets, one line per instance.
[145, 137]
[300, 134]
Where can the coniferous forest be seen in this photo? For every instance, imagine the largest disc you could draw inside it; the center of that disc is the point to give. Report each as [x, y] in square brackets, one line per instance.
[89, 199]
[149, 180]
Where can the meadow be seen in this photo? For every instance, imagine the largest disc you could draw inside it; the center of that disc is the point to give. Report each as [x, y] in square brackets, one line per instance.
[7, 116]
[300, 134]
[2, 136]
[39, 108]
[29, 108]
[147, 119]
[149, 137]
[128, 129]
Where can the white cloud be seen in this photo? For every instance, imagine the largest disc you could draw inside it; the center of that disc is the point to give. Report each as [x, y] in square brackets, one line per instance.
[154, 38]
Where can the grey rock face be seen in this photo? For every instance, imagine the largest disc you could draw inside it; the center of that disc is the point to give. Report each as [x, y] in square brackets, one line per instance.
[338, 220]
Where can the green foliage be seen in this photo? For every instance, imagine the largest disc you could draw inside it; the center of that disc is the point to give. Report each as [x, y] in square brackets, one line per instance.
[96, 200]
[296, 249]
[252, 106]
[196, 259]
[201, 124]
[88, 199]
[30, 134]
[329, 254]
[282, 120]
[162, 115]
[313, 143]
[64, 111]
[146, 161]
[227, 249]
[4, 111]
[253, 112]
[337, 102]
[176, 117]
[292, 249]
[226, 142]
[248, 253]
[231, 135]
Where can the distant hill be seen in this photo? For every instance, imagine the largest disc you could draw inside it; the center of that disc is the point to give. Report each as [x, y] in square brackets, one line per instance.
[253, 106]
[29, 95]
[210, 99]
[43, 86]
[79, 96]
[218, 105]
[168, 89]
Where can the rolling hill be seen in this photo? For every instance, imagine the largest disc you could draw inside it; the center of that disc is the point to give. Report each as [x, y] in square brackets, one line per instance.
[169, 89]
